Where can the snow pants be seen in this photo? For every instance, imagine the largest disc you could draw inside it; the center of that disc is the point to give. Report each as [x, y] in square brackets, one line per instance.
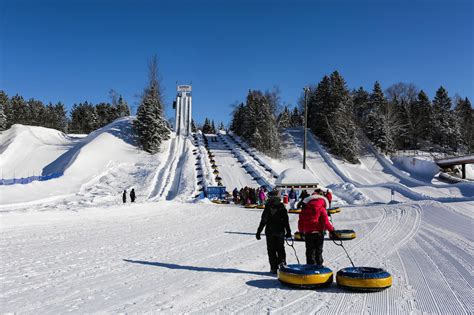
[276, 250]
[314, 248]
[292, 204]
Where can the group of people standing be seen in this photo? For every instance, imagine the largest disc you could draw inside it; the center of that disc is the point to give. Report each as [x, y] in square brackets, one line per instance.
[313, 221]
[248, 195]
[132, 195]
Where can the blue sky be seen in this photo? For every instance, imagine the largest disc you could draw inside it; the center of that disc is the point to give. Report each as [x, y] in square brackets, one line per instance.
[72, 51]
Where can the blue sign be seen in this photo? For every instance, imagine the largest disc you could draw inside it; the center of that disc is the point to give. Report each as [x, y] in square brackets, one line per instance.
[216, 192]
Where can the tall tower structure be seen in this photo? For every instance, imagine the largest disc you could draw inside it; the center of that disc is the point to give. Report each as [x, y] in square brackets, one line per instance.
[183, 106]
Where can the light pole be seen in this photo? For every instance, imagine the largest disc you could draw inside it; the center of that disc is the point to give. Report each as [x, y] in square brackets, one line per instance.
[306, 90]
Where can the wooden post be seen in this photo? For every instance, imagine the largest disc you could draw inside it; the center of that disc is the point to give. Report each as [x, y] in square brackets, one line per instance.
[463, 167]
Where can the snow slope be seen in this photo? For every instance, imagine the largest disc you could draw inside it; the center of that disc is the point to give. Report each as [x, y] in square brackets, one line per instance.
[98, 166]
[230, 169]
[204, 258]
[25, 150]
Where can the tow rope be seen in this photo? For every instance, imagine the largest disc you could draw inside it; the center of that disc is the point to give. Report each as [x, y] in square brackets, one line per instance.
[340, 244]
[291, 245]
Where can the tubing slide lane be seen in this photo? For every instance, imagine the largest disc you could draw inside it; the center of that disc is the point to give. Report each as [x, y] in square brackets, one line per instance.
[400, 188]
[161, 171]
[206, 179]
[246, 148]
[172, 189]
[257, 176]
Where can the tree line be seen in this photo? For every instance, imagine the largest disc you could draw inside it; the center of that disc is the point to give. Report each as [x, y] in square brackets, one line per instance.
[256, 122]
[401, 118]
[84, 117]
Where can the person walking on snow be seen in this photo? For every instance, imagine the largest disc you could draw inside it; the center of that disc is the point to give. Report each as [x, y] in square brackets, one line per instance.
[261, 196]
[313, 221]
[132, 195]
[124, 196]
[328, 197]
[277, 227]
[292, 198]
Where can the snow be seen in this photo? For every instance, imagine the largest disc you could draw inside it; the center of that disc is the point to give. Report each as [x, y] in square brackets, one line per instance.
[418, 167]
[296, 176]
[20, 143]
[70, 245]
[204, 258]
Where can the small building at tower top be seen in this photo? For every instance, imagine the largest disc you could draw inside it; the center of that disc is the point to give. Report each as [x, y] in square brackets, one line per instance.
[183, 110]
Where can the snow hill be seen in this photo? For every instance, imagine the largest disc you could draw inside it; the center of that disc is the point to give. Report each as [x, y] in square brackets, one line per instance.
[171, 252]
[25, 150]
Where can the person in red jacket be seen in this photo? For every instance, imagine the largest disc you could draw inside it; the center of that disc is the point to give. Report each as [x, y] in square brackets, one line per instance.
[313, 221]
[328, 195]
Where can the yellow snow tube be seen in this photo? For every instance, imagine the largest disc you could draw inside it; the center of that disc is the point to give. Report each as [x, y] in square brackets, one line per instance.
[344, 235]
[260, 207]
[294, 211]
[334, 210]
[364, 279]
[250, 206]
[305, 276]
[298, 236]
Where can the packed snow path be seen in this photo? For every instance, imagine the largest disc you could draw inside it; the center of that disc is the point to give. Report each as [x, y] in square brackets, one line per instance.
[230, 169]
[203, 258]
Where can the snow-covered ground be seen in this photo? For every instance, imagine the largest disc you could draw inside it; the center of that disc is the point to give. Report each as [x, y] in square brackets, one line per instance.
[204, 258]
[69, 244]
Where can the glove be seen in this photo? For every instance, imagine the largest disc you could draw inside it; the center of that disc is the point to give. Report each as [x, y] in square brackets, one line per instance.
[288, 235]
[257, 236]
[332, 235]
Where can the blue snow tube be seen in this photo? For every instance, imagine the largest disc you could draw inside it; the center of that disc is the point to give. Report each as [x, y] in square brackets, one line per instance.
[363, 279]
[305, 276]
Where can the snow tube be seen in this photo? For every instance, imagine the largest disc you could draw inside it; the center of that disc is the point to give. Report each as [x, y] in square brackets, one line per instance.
[215, 172]
[305, 276]
[214, 166]
[334, 210]
[298, 237]
[250, 206]
[260, 207]
[344, 235]
[363, 279]
[294, 211]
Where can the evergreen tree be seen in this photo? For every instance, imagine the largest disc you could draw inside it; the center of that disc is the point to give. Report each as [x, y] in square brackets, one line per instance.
[441, 118]
[213, 127]
[297, 118]
[236, 124]
[465, 119]
[4, 108]
[422, 118]
[221, 126]
[84, 118]
[378, 127]
[319, 107]
[19, 110]
[360, 99]
[3, 118]
[35, 114]
[284, 119]
[342, 138]
[121, 108]
[193, 126]
[60, 117]
[150, 126]
[207, 127]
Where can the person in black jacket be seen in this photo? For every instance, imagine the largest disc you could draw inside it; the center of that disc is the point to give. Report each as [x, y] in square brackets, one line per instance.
[276, 223]
[132, 195]
[124, 196]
